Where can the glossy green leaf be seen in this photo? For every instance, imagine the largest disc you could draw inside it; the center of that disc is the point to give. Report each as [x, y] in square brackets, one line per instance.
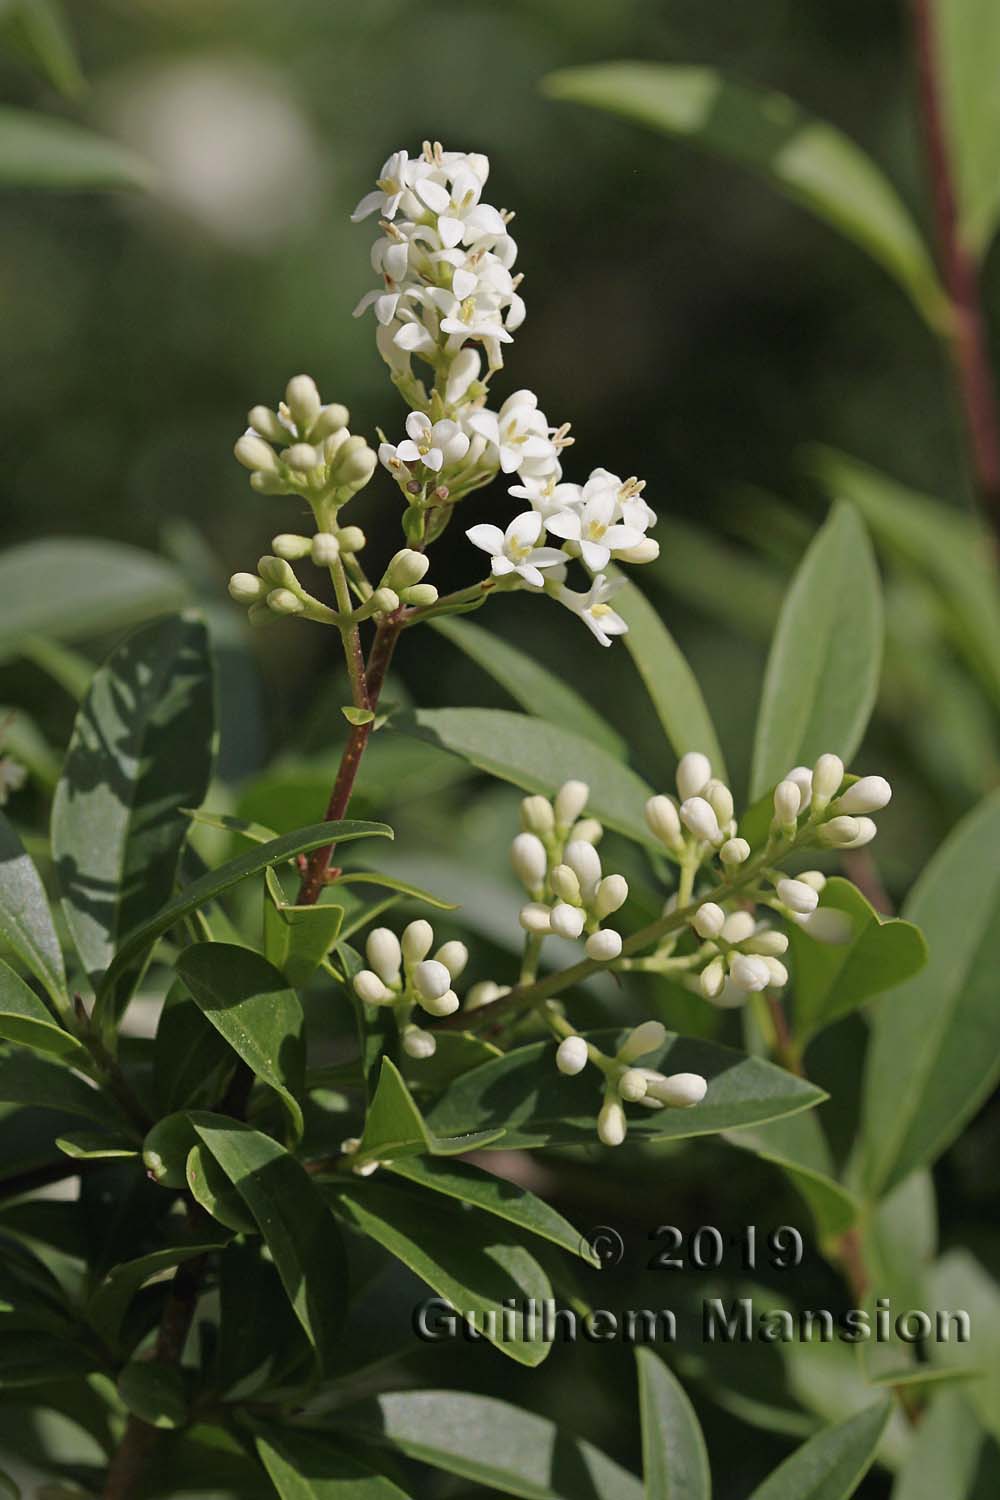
[672, 686]
[538, 757]
[492, 1443]
[212, 1190]
[940, 1032]
[536, 1105]
[457, 1052]
[190, 1056]
[797, 1145]
[832, 1464]
[532, 686]
[297, 938]
[38, 29]
[497, 1196]
[292, 1217]
[110, 1299]
[26, 1020]
[25, 920]
[674, 1456]
[307, 1466]
[810, 161]
[832, 980]
[40, 151]
[90, 1145]
[141, 750]
[959, 1283]
[945, 1455]
[26, 1079]
[155, 1393]
[249, 1003]
[357, 716]
[392, 883]
[823, 668]
[967, 41]
[394, 1126]
[114, 990]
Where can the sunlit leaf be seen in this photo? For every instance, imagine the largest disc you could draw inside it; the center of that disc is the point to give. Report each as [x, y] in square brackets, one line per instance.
[833, 1463]
[25, 920]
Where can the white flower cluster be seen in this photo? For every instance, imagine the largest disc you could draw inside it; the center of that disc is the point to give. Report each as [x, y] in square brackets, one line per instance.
[624, 1083]
[404, 976]
[555, 859]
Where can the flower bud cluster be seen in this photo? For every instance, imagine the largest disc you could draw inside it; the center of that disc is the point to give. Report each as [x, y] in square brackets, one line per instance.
[404, 974]
[625, 1083]
[305, 448]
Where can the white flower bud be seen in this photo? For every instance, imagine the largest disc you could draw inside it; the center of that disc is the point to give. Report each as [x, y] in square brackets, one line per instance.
[405, 569]
[815, 878]
[738, 926]
[729, 997]
[644, 1038]
[418, 937]
[664, 823]
[565, 884]
[384, 953]
[648, 550]
[484, 993]
[769, 944]
[454, 956]
[350, 1144]
[302, 457]
[632, 1085]
[246, 588]
[529, 860]
[418, 1043]
[787, 802]
[749, 973]
[828, 773]
[777, 970]
[585, 862]
[604, 945]
[611, 895]
[303, 401]
[572, 1055]
[431, 979]
[570, 801]
[827, 925]
[611, 1123]
[420, 594]
[865, 796]
[441, 1005]
[587, 831]
[712, 978]
[369, 988]
[284, 602]
[268, 424]
[839, 833]
[681, 1090]
[693, 771]
[867, 830]
[385, 601]
[566, 921]
[325, 549]
[698, 817]
[254, 454]
[290, 546]
[351, 538]
[720, 800]
[796, 895]
[803, 779]
[537, 815]
[734, 851]
[709, 920]
[332, 419]
[535, 917]
[277, 571]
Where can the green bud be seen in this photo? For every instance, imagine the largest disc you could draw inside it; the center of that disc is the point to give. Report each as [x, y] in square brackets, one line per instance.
[405, 569]
[325, 549]
[385, 601]
[267, 422]
[259, 614]
[266, 483]
[358, 469]
[303, 401]
[302, 457]
[254, 454]
[245, 588]
[290, 546]
[351, 538]
[284, 602]
[276, 570]
[165, 1150]
[332, 419]
[420, 594]
[333, 444]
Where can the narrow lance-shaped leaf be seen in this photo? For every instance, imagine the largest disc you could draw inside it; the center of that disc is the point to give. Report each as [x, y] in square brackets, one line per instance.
[674, 1456]
[395, 1127]
[797, 1145]
[823, 668]
[833, 1463]
[966, 38]
[38, 28]
[805, 158]
[24, 1019]
[40, 151]
[110, 1299]
[25, 920]
[307, 1466]
[297, 938]
[944, 1457]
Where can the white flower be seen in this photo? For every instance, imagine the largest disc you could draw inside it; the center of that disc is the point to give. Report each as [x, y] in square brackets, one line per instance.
[546, 493]
[514, 550]
[519, 431]
[593, 607]
[466, 219]
[432, 444]
[389, 188]
[593, 529]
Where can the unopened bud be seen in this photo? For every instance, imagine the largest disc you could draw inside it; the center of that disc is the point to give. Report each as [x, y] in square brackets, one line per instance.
[566, 885]
[803, 779]
[324, 549]
[611, 895]
[385, 601]
[587, 831]
[738, 926]
[712, 978]
[777, 970]
[267, 422]
[290, 547]
[420, 594]
[454, 956]
[284, 602]
[769, 944]
[680, 1090]
[254, 454]
[867, 829]
[868, 795]
[648, 550]
[332, 418]
[384, 953]
[303, 401]
[442, 1005]
[585, 862]
[632, 1085]
[417, 939]
[787, 801]
[749, 973]
[698, 817]
[815, 878]
[603, 946]
[418, 1043]
[570, 801]
[370, 988]
[693, 771]
[839, 833]
[351, 538]
[405, 569]
[246, 588]
[484, 993]
[797, 896]
[611, 1122]
[566, 921]
[720, 800]
[734, 851]
[431, 979]
[709, 920]
[277, 571]
[663, 821]
[572, 1055]
[302, 457]
[646, 1037]
[828, 773]
[535, 917]
[529, 860]
[537, 815]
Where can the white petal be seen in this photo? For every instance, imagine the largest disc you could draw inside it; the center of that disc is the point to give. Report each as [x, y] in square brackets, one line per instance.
[489, 538]
[417, 423]
[502, 565]
[408, 452]
[464, 283]
[450, 231]
[594, 554]
[531, 575]
[565, 523]
[524, 529]
[546, 557]
[433, 194]
[369, 203]
[620, 538]
[433, 459]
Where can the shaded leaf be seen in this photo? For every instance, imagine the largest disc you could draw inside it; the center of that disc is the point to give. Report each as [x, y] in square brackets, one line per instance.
[25, 1020]
[40, 151]
[189, 1054]
[110, 1299]
[26, 1079]
[674, 1456]
[967, 42]
[297, 938]
[392, 883]
[798, 1146]
[945, 1453]
[155, 1393]
[25, 920]
[959, 1282]
[212, 1190]
[306, 1466]
[833, 1463]
[38, 29]
[395, 1127]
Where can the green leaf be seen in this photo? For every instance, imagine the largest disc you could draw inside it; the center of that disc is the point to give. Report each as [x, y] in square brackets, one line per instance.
[940, 1031]
[141, 751]
[959, 1282]
[306, 1466]
[537, 757]
[114, 990]
[23, 741]
[155, 1393]
[40, 151]
[357, 716]
[823, 668]
[25, 921]
[189, 1054]
[532, 686]
[212, 1190]
[944, 1457]
[249, 1003]
[8, 1488]
[491, 1443]
[110, 1299]
[832, 980]
[833, 1463]
[292, 1217]
[945, 545]
[674, 1456]
[395, 1127]
[297, 938]
[457, 1052]
[25, 1020]
[391, 883]
[38, 28]
[497, 1196]
[727, 585]
[808, 160]
[967, 41]
[670, 682]
[524, 1093]
[797, 1145]
[26, 1079]
[89, 1145]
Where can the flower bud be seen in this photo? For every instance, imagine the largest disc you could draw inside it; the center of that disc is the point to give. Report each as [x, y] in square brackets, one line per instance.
[663, 821]
[254, 454]
[355, 464]
[787, 801]
[572, 1055]
[777, 971]
[720, 800]
[384, 953]
[351, 538]
[868, 795]
[709, 920]
[420, 594]
[537, 815]
[632, 1085]
[587, 831]
[259, 614]
[570, 801]
[798, 896]
[405, 569]
[827, 925]
[369, 988]
[802, 776]
[385, 601]
[324, 549]
[431, 979]
[867, 829]
[749, 973]
[268, 483]
[284, 602]
[646, 1037]
[585, 862]
[303, 401]
[648, 550]
[611, 895]
[815, 878]
[418, 1043]
[734, 851]
[529, 860]
[698, 817]
[712, 978]
[535, 917]
[565, 884]
[693, 771]
[604, 945]
[839, 833]
[484, 993]
[769, 944]
[417, 939]
[828, 773]
[566, 921]
[441, 1005]
[332, 418]
[246, 588]
[268, 424]
[302, 457]
[290, 547]
[729, 997]
[738, 926]
[611, 1122]
[277, 571]
[454, 956]
[681, 1090]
